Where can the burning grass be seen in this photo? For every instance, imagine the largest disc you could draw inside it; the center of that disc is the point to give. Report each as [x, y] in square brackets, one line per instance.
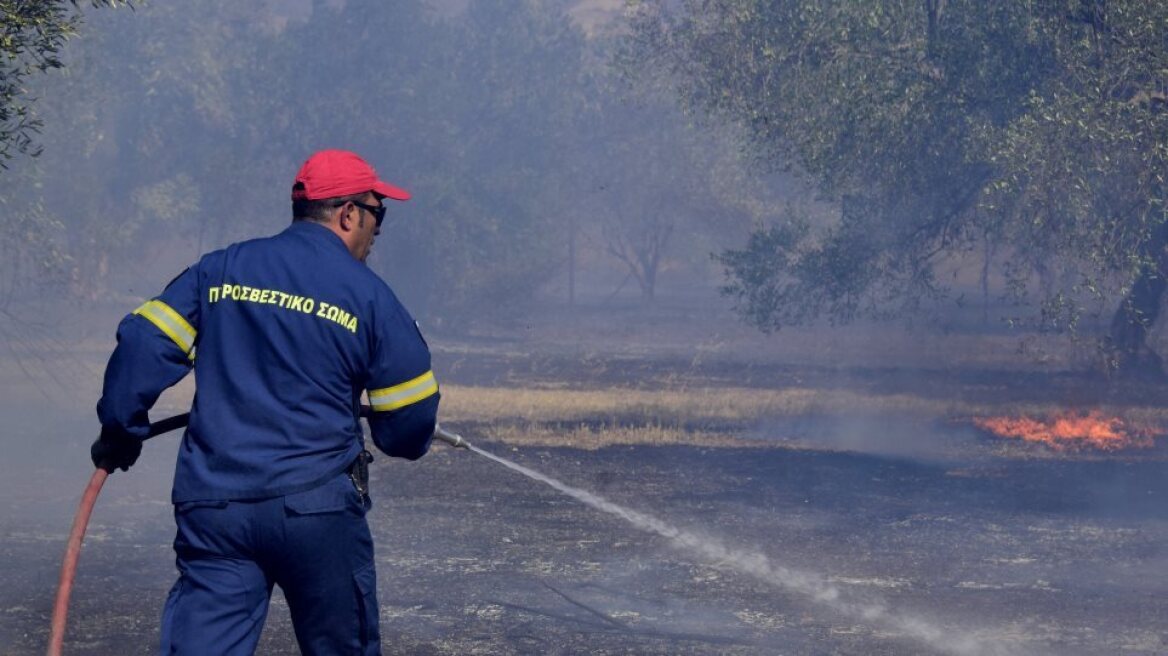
[1071, 431]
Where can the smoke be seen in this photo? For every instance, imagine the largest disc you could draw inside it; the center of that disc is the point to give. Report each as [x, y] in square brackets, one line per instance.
[759, 566]
[885, 434]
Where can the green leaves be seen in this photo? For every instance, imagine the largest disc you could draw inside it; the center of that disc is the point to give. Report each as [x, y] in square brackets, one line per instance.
[1038, 126]
[765, 277]
[31, 37]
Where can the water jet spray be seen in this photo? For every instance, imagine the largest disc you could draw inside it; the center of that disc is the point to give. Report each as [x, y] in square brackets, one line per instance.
[759, 566]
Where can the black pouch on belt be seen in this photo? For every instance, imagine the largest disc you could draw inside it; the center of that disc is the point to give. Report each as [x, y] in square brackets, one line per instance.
[359, 473]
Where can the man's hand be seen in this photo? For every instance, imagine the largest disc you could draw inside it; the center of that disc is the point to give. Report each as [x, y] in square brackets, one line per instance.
[115, 450]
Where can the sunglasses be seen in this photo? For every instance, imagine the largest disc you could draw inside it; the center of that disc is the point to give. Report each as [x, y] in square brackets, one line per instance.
[378, 211]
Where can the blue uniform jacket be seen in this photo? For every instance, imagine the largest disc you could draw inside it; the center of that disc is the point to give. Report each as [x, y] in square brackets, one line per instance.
[284, 334]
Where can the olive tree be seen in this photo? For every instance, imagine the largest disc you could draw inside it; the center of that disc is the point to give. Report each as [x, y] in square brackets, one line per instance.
[936, 125]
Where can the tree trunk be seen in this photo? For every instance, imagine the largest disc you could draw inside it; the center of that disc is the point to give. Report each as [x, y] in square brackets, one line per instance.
[649, 285]
[649, 259]
[572, 262]
[1130, 356]
[986, 260]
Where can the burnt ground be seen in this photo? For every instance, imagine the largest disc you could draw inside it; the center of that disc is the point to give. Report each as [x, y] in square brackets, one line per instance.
[1040, 556]
[1028, 555]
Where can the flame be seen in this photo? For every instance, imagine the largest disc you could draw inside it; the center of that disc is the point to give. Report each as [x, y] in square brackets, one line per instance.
[1071, 431]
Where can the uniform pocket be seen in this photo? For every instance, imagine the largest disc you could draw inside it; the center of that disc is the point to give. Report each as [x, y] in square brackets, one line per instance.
[365, 580]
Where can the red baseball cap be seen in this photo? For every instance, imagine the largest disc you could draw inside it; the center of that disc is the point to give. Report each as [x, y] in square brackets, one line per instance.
[333, 173]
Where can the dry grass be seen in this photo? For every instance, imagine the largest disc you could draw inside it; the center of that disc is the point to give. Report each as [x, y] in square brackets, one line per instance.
[705, 416]
[702, 406]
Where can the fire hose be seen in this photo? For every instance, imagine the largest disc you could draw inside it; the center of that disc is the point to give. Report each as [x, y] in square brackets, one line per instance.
[85, 509]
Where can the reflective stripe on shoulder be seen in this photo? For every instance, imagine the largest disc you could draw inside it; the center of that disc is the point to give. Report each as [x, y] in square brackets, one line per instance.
[399, 396]
[170, 322]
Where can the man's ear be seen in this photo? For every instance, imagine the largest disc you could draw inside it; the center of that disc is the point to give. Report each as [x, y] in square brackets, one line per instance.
[345, 218]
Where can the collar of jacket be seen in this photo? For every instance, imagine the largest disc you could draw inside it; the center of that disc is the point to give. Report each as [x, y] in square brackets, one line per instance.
[315, 231]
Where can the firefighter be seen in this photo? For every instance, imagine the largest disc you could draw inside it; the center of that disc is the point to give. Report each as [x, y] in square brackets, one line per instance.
[284, 334]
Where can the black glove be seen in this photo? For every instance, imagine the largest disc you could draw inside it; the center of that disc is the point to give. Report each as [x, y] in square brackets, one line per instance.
[115, 449]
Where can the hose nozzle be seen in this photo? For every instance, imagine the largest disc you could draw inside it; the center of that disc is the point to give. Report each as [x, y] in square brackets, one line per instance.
[453, 439]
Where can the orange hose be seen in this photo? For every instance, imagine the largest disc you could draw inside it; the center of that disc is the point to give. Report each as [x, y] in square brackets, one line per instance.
[69, 565]
[81, 521]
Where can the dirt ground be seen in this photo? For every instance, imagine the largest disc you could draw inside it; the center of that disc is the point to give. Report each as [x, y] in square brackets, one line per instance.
[1029, 556]
[905, 549]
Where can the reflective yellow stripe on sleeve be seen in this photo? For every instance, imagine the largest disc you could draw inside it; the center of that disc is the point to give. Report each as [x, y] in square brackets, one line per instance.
[399, 396]
[171, 323]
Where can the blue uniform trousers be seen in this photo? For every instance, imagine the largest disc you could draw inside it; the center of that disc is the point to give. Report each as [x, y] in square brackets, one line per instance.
[315, 545]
